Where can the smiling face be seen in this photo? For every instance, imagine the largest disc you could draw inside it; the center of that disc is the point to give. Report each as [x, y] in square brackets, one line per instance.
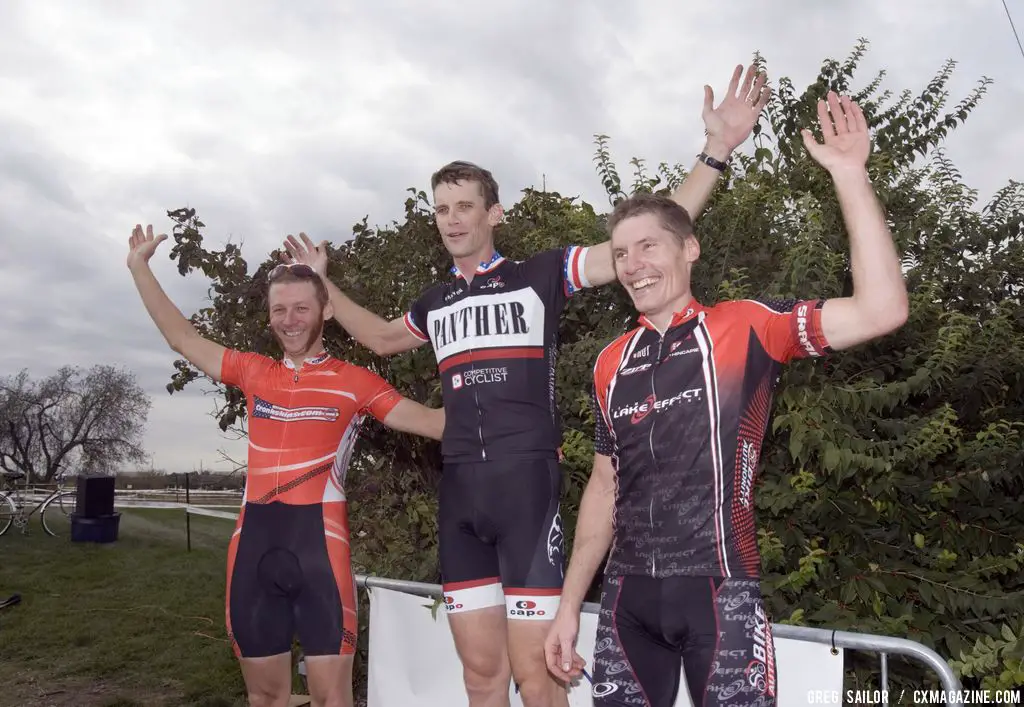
[466, 209]
[299, 307]
[654, 249]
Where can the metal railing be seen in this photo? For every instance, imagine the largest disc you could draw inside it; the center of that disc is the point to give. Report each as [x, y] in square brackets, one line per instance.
[883, 645]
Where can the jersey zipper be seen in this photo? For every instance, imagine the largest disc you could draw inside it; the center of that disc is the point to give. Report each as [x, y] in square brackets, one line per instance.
[650, 439]
[479, 411]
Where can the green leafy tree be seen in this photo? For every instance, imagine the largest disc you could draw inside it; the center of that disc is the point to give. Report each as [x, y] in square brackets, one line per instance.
[890, 498]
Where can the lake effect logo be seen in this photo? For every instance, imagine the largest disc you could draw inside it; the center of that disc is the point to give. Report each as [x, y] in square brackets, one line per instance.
[638, 411]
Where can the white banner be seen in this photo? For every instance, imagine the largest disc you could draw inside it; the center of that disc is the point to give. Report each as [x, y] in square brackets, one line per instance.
[413, 660]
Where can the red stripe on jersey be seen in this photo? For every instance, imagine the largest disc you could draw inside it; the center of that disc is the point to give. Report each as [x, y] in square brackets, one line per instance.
[491, 354]
[413, 329]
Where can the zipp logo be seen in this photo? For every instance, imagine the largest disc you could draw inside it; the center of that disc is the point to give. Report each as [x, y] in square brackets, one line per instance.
[634, 369]
[638, 411]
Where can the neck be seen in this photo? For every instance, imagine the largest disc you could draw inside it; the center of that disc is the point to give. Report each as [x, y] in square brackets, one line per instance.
[663, 317]
[300, 358]
[467, 265]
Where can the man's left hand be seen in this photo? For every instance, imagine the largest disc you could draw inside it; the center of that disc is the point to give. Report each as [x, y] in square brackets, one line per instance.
[730, 124]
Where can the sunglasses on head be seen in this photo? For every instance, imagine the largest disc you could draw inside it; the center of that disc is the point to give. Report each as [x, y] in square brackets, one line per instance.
[300, 269]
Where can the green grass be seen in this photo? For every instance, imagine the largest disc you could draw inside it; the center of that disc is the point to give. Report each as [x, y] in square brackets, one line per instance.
[136, 622]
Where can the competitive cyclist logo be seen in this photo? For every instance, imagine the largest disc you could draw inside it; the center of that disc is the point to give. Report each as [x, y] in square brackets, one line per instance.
[265, 410]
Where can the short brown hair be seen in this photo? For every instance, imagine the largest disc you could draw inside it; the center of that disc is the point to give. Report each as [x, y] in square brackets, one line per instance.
[461, 171]
[299, 272]
[673, 217]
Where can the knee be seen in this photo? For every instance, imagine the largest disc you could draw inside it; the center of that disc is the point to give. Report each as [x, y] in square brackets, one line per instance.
[486, 676]
[262, 697]
[539, 689]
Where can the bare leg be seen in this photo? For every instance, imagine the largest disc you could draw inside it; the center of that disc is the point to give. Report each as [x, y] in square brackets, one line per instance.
[268, 681]
[330, 680]
[480, 640]
[537, 686]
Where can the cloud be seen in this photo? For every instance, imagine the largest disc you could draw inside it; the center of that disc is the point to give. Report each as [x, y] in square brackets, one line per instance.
[271, 118]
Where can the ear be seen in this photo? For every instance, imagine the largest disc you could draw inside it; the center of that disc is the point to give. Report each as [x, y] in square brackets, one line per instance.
[692, 249]
[328, 312]
[495, 214]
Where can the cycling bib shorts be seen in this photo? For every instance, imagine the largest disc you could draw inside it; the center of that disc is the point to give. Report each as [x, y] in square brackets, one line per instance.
[500, 537]
[716, 626]
[682, 414]
[289, 566]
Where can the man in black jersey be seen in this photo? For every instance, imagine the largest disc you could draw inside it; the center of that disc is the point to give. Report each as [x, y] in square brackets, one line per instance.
[494, 327]
[682, 404]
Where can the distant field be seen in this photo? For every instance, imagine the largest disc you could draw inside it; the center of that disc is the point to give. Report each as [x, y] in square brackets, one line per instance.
[138, 622]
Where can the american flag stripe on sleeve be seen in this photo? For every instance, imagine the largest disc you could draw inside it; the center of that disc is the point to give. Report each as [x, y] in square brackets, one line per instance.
[574, 268]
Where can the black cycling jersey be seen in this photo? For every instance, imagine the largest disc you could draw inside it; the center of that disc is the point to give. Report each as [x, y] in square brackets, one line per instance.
[683, 415]
[495, 340]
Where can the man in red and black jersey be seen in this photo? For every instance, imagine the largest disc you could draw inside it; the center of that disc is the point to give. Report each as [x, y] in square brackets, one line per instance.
[682, 404]
[493, 325]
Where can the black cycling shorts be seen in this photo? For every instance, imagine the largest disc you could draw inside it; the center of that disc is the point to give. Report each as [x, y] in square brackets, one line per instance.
[500, 537]
[290, 574]
[716, 626]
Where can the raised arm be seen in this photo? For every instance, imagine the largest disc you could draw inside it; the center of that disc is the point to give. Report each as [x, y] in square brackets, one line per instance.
[178, 331]
[728, 126]
[381, 336]
[878, 304]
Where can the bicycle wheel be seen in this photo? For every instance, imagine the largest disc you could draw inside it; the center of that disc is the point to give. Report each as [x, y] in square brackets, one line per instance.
[7, 512]
[55, 514]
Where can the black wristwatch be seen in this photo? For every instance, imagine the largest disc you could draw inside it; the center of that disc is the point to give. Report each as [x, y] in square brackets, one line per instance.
[712, 162]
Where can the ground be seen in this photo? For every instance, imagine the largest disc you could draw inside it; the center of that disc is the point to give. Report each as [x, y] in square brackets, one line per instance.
[136, 622]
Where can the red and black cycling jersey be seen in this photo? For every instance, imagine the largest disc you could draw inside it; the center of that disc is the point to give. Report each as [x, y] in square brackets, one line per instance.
[495, 339]
[683, 415]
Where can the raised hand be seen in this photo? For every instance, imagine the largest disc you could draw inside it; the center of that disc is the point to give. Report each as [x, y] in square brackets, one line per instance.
[141, 246]
[315, 256]
[730, 124]
[847, 142]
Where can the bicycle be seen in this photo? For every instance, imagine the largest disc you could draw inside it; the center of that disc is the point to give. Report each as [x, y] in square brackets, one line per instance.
[59, 502]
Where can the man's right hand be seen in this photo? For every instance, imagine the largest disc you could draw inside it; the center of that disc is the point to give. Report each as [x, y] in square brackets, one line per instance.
[560, 646]
[315, 256]
[141, 246]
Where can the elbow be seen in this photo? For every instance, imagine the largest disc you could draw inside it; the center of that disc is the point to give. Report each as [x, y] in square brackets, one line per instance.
[891, 314]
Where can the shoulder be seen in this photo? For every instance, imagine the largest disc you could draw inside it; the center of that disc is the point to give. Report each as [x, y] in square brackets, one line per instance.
[760, 307]
[610, 357]
[249, 359]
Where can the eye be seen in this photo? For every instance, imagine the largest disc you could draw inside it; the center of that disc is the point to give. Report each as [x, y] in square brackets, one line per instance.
[648, 245]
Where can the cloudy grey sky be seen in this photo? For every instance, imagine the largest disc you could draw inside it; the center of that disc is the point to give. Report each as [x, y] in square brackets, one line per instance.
[271, 118]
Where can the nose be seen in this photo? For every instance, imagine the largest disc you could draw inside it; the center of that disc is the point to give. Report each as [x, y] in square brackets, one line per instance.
[632, 263]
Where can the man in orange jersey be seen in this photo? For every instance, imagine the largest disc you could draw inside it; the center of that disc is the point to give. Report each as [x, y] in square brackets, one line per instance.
[289, 568]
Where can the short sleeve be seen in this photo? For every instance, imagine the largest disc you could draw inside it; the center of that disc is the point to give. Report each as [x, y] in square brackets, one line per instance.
[377, 397]
[416, 318]
[562, 270]
[791, 329]
[236, 367]
[603, 443]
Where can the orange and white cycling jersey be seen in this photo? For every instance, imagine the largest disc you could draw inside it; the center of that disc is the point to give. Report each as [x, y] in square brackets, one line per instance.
[303, 423]
[289, 562]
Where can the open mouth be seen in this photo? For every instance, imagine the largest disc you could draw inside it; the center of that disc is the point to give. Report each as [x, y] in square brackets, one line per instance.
[294, 335]
[645, 283]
